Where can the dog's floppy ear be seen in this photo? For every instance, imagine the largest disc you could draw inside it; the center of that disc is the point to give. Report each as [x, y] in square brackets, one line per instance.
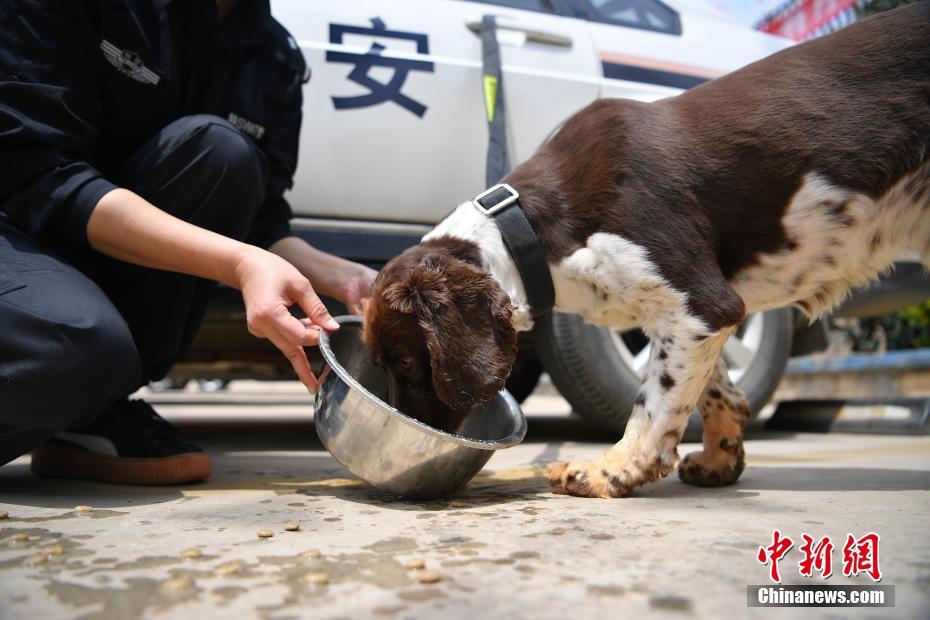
[467, 323]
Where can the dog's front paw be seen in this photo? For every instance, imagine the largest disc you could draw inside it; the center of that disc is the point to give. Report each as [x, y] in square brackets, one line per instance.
[586, 479]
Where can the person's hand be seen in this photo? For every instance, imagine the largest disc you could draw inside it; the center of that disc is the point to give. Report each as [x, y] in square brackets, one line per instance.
[356, 286]
[335, 277]
[269, 286]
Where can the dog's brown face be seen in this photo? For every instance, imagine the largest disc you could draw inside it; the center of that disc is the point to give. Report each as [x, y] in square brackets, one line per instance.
[441, 328]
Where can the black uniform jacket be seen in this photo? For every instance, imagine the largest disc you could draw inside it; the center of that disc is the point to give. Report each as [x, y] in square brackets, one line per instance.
[84, 83]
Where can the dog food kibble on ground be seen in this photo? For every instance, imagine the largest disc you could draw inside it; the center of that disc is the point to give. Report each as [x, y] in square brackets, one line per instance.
[428, 576]
[291, 526]
[178, 583]
[192, 553]
[265, 533]
[83, 509]
[415, 564]
[317, 579]
[4, 515]
[228, 569]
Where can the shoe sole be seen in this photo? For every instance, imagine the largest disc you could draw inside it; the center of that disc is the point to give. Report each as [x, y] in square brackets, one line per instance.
[59, 462]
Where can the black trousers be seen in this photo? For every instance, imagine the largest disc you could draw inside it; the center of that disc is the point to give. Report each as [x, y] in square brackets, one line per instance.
[80, 331]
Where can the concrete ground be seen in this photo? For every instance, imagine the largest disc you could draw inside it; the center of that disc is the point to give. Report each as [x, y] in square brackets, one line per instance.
[506, 547]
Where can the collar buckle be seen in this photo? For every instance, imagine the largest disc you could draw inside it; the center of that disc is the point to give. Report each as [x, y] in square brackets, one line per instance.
[496, 199]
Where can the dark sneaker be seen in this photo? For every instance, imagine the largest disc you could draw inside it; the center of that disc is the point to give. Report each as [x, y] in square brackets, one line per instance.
[128, 444]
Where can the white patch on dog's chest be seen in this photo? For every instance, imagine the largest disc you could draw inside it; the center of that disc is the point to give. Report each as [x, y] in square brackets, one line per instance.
[838, 239]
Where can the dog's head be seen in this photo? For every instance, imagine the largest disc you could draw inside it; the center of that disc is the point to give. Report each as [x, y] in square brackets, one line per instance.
[441, 327]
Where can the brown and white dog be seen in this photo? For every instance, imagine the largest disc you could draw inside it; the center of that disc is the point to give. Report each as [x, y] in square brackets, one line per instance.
[785, 182]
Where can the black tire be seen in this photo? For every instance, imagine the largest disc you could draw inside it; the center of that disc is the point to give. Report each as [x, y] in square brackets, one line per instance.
[590, 373]
[761, 379]
[524, 377]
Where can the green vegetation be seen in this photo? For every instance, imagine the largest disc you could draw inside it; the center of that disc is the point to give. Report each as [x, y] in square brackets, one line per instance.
[916, 320]
[906, 329]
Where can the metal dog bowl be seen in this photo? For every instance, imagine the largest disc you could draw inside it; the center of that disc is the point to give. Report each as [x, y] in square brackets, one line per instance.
[384, 447]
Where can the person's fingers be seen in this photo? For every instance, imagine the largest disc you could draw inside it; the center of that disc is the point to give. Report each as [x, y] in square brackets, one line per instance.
[289, 335]
[298, 359]
[316, 330]
[294, 330]
[362, 306]
[358, 303]
[370, 277]
[352, 297]
[359, 291]
[314, 309]
[296, 355]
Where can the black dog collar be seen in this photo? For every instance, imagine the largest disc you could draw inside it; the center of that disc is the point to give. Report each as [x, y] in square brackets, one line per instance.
[501, 203]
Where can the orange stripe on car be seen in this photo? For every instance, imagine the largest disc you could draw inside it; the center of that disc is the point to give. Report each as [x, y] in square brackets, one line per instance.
[659, 64]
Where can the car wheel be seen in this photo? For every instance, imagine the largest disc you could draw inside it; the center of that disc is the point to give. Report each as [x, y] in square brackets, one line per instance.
[597, 369]
[523, 377]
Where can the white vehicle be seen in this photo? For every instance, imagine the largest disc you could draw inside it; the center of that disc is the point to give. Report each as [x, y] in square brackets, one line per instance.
[394, 118]
[395, 136]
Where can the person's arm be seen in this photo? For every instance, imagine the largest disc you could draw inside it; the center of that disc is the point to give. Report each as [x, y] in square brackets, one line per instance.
[332, 276]
[50, 60]
[127, 227]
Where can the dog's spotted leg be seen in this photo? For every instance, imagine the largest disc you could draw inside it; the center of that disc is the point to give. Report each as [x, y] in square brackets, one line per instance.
[680, 365]
[725, 411]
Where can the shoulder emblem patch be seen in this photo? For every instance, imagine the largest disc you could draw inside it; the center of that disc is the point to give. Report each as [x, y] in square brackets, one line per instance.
[129, 63]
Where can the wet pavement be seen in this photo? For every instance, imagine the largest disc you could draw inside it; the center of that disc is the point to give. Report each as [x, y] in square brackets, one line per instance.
[505, 547]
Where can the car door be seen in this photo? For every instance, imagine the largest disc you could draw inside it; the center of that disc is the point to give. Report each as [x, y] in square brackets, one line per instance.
[394, 123]
[550, 66]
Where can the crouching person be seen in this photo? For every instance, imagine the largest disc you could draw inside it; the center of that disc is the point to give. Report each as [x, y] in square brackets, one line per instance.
[144, 151]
